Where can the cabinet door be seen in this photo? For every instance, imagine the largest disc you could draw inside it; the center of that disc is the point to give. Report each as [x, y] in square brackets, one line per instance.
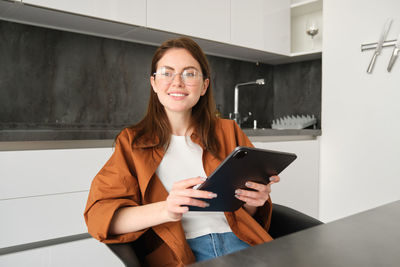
[247, 19]
[276, 30]
[261, 24]
[86, 252]
[43, 217]
[126, 11]
[299, 185]
[208, 19]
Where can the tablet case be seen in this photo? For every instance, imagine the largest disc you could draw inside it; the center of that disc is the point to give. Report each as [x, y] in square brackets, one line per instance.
[242, 165]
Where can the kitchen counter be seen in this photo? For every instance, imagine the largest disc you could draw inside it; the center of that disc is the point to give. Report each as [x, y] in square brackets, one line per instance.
[52, 139]
[272, 135]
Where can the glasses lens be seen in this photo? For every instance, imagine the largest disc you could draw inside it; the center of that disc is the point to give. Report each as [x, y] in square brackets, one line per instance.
[165, 75]
[191, 76]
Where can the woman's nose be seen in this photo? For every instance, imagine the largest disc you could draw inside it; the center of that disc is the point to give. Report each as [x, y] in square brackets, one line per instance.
[177, 80]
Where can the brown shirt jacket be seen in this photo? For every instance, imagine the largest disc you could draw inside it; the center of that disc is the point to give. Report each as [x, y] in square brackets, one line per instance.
[129, 179]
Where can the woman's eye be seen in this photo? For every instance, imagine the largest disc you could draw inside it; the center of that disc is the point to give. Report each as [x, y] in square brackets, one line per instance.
[190, 74]
[167, 74]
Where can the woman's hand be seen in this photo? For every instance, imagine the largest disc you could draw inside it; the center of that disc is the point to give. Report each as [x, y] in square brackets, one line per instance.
[183, 194]
[256, 197]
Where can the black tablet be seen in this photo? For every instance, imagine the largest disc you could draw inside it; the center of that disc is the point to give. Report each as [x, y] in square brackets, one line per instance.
[242, 165]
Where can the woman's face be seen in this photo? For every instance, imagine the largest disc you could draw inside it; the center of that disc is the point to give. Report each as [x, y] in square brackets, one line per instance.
[177, 94]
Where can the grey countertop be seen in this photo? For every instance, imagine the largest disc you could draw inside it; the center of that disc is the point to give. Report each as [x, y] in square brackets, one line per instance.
[271, 135]
[273, 132]
[56, 139]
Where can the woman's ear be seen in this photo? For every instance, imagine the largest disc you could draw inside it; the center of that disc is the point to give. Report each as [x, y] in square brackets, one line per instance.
[153, 84]
[206, 83]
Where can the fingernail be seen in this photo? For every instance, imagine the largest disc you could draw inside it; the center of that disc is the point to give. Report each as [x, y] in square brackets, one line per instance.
[213, 195]
[248, 184]
[203, 179]
[271, 179]
[206, 205]
[237, 196]
[196, 186]
[237, 192]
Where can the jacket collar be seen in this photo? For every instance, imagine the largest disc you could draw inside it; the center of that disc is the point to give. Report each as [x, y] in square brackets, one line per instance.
[146, 142]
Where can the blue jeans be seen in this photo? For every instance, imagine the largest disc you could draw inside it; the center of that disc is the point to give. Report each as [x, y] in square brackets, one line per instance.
[214, 245]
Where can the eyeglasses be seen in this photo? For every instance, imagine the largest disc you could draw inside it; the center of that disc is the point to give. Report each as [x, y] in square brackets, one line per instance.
[188, 76]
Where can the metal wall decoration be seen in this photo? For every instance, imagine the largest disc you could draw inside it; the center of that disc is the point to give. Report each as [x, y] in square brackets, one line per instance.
[382, 43]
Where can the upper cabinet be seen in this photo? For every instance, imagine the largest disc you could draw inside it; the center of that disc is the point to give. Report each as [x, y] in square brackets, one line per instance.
[306, 27]
[207, 19]
[126, 11]
[247, 18]
[268, 31]
[277, 26]
[261, 24]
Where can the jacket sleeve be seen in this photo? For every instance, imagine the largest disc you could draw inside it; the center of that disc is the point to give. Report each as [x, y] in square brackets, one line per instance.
[263, 214]
[115, 186]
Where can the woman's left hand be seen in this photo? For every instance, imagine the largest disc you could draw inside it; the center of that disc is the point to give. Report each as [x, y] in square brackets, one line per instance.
[256, 197]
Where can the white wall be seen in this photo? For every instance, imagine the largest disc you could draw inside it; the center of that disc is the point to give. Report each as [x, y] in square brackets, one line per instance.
[360, 143]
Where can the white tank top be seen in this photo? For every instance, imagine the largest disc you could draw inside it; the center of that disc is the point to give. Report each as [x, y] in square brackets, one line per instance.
[182, 160]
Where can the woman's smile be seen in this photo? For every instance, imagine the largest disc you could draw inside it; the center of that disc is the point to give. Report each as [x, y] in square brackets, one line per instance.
[178, 95]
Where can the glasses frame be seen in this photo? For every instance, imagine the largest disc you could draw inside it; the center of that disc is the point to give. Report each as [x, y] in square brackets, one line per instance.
[181, 74]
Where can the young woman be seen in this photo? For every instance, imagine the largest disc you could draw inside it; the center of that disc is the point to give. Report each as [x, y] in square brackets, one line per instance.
[142, 192]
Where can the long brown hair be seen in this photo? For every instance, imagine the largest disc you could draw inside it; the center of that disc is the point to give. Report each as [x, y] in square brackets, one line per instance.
[155, 126]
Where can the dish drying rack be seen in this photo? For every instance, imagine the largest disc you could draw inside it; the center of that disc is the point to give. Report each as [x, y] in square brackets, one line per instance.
[294, 122]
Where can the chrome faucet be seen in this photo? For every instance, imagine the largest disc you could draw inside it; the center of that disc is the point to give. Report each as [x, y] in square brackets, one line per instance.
[236, 114]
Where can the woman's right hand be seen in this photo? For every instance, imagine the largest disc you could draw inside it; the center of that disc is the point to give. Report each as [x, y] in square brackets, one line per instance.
[182, 195]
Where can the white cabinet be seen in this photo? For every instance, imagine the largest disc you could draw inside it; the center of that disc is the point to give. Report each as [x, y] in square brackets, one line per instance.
[206, 19]
[261, 24]
[82, 253]
[125, 11]
[247, 19]
[50, 192]
[51, 171]
[299, 185]
[277, 26]
[32, 219]
[255, 31]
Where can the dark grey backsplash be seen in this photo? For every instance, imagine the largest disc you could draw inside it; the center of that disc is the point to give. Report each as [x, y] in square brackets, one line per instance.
[297, 89]
[53, 78]
[62, 85]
